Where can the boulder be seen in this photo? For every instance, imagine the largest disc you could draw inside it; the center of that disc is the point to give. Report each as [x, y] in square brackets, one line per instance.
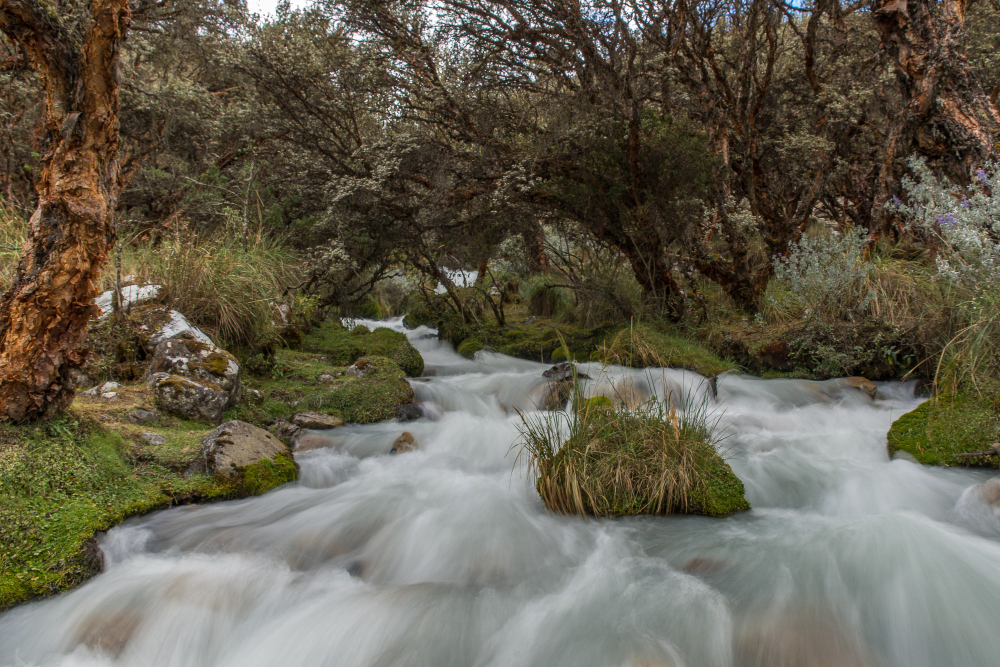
[404, 443]
[187, 398]
[409, 412]
[247, 456]
[130, 296]
[142, 415]
[566, 371]
[316, 421]
[152, 439]
[283, 429]
[864, 384]
[557, 395]
[193, 379]
[159, 324]
[306, 442]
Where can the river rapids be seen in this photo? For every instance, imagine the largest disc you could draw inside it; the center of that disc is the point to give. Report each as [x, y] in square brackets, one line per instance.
[445, 556]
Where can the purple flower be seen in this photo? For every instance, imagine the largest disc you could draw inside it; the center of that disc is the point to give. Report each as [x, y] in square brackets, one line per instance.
[966, 203]
[896, 201]
[945, 218]
[982, 177]
[779, 254]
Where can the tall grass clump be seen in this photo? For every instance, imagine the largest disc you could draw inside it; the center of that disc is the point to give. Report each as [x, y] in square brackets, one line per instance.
[224, 286]
[962, 224]
[654, 460]
[542, 298]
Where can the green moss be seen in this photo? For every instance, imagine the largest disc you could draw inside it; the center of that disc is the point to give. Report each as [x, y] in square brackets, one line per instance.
[947, 425]
[216, 363]
[261, 477]
[63, 481]
[597, 403]
[468, 347]
[343, 347]
[295, 387]
[645, 344]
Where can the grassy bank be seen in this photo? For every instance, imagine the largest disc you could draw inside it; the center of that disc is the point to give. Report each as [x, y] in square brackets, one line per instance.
[947, 426]
[65, 480]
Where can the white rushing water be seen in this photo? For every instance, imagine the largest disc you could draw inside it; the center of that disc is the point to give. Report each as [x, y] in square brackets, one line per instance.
[445, 556]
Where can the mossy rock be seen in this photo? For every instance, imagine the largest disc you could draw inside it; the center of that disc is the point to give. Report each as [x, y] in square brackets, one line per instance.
[298, 385]
[949, 424]
[623, 464]
[643, 345]
[259, 478]
[468, 347]
[342, 347]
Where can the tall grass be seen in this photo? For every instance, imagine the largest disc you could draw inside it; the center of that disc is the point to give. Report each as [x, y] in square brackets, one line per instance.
[653, 460]
[13, 229]
[228, 289]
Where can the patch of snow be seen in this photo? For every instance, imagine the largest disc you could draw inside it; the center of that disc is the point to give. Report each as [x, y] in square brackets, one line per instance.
[179, 327]
[131, 295]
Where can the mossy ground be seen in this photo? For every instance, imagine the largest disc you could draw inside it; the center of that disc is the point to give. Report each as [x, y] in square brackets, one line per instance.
[342, 347]
[303, 381]
[946, 425]
[65, 479]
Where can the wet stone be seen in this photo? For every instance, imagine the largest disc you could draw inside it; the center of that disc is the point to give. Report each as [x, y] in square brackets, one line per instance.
[316, 421]
[404, 443]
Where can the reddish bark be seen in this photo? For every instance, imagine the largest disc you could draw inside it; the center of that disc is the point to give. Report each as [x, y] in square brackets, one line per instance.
[45, 312]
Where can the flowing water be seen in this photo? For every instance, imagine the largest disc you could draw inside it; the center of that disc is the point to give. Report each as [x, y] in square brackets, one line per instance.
[446, 556]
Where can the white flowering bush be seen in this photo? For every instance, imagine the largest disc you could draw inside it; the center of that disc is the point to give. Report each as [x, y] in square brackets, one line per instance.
[825, 275]
[963, 227]
[965, 222]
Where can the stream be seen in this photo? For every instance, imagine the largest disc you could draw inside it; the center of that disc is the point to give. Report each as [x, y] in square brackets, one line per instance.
[445, 556]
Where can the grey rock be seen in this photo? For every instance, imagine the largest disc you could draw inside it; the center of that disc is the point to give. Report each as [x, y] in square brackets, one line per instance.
[187, 398]
[109, 395]
[142, 416]
[316, 421]
[359, 369]
[193, 379]
[109, 386]
[567, 370]
[237, 444]
[408, 413]
[153, 439]
[283, 429]
[90, 392]
[325, 378]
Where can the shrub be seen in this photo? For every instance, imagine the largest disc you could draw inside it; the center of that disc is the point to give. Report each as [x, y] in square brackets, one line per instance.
[963, 224]
[542, 298]
[613, 463]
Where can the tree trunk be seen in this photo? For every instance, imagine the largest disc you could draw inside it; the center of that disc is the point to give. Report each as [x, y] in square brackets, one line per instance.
[948, 117]
[45, 312]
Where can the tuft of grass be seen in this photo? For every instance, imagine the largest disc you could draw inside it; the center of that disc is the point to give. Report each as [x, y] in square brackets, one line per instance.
[543, 299]
[228, 290]
[603, 462]
[644, 345]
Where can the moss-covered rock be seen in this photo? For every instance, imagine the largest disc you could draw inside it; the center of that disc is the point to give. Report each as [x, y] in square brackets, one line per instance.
[308, 382]
[949, 424]
[342, 347]
[642, 345]
[626, 463]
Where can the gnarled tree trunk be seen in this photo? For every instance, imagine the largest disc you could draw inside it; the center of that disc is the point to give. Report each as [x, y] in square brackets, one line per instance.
[45, 312]
[948, 118]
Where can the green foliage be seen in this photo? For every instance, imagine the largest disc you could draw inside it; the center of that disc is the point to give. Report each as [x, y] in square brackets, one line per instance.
[650, 461]
[949, 424]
